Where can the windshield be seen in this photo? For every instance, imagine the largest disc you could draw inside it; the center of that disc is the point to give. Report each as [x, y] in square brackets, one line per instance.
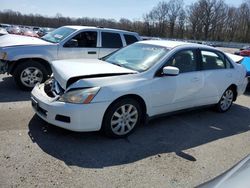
[58, 34]
[138, 57]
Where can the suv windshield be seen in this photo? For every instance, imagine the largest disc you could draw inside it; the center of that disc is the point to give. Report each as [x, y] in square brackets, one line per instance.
[58, 35]
[138, 57]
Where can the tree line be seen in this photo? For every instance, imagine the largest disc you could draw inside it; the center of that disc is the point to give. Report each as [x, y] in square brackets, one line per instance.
[202, 20]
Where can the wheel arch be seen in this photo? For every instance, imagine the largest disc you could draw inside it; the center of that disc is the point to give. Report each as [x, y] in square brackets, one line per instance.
[234, 88]
[43, 62]
[130, 96]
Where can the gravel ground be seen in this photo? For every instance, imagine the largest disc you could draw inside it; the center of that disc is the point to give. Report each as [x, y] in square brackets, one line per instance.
[182, 150]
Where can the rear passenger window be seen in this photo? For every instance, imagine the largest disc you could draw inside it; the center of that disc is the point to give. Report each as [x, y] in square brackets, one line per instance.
[130, 39]
[111, 40]
[213, 60]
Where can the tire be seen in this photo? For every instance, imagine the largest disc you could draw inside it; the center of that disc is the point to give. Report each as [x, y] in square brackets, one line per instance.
[29, 73]
[130, 113]
[226, 100]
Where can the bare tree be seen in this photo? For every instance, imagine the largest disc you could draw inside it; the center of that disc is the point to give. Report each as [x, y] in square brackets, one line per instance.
[202, 20]
[174, 9]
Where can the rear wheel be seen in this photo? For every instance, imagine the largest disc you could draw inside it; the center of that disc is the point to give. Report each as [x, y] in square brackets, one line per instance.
[226, 100]
[121, 118]
[29, 73]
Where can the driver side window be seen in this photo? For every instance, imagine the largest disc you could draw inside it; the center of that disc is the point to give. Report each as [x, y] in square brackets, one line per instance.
[184, 60]
[87, 39]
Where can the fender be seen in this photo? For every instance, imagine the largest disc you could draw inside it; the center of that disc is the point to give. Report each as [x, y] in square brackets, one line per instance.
[46, 52]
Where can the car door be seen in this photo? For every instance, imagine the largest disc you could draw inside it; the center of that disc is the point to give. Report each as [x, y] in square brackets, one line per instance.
[82, 45]
[218, 75]
[171, 93]
[110, 42]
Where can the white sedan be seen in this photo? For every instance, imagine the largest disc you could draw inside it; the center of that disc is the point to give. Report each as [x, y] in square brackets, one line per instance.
[143, 80]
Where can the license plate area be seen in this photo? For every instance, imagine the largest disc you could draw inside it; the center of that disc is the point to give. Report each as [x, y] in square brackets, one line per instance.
[34, 103]
[39, 110]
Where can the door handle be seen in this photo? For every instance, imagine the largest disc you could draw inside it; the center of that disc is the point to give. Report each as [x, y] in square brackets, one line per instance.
[91, 52]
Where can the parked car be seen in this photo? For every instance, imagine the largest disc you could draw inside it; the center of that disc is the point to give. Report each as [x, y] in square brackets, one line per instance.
[44, 31]
[245, 48]
[143, 80]
[237, 176]
[29, 33]
[245, 61]
[14, 30]
[3, 31]
[150, 38]
[4, 26]
[36, 29]
[28, 59]
[245, 52]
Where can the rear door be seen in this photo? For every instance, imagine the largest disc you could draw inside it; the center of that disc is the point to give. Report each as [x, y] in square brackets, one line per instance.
[86, 43]
[218, 75]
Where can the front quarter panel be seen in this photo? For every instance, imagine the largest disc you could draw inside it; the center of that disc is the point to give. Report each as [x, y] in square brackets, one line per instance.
[47, 53]
[139, 87]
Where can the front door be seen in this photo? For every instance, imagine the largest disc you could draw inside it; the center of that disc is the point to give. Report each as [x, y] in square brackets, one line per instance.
[84, 46]
[171, 93]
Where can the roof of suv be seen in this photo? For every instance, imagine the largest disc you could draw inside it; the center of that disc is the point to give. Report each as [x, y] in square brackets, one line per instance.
[100, 28]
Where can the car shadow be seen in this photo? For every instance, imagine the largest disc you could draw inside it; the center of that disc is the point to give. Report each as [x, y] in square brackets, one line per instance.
[174, 133]
[10, 92]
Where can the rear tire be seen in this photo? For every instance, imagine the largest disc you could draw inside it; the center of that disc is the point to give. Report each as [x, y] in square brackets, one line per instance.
[121, 118]
[226, 100]
[29, 73]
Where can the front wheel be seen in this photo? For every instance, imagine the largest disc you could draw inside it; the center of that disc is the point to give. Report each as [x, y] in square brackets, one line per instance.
[121, 118]
[29, 73]
[226, 101]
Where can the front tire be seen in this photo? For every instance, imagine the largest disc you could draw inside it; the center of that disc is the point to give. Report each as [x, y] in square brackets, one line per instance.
[226, 100]
[29, 73]
[121, 118]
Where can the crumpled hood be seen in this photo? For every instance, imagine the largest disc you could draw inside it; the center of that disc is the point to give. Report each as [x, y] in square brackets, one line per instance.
[67, 72]
[18, 40]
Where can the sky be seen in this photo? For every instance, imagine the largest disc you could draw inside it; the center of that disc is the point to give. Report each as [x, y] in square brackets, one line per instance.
[109, 9]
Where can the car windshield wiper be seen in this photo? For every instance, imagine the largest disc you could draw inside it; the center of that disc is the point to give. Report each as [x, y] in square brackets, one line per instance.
[118, 64]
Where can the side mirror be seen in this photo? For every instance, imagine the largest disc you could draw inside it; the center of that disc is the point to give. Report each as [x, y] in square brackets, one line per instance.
[71, 43]
[170, 71]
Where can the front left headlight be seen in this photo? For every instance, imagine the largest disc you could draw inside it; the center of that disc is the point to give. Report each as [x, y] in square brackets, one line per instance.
[80, 96]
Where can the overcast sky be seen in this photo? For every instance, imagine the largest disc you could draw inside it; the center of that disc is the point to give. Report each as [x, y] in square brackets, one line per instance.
[116, 9]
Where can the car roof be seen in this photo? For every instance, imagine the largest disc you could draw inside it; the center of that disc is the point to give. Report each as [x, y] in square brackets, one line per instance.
[78, 27]
[172, 44]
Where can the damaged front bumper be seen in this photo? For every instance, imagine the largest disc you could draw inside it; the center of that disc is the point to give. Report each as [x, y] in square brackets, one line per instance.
[3, 66]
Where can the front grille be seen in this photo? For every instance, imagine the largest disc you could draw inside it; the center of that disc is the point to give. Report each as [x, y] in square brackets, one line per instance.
[52, 88]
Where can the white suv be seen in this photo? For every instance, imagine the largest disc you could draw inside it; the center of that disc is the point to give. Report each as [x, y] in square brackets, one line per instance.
[28, 59]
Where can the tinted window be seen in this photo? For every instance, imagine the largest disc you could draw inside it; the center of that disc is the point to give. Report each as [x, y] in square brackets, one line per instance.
[111, 40]
[86, 39]
[214, 60]
[184, 60]
[130, 39]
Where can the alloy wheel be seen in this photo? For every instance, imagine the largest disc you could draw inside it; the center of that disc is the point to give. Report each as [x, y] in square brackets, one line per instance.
[124, 119]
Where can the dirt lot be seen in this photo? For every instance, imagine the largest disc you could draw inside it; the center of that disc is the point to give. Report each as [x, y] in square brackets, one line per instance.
[182, 150]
